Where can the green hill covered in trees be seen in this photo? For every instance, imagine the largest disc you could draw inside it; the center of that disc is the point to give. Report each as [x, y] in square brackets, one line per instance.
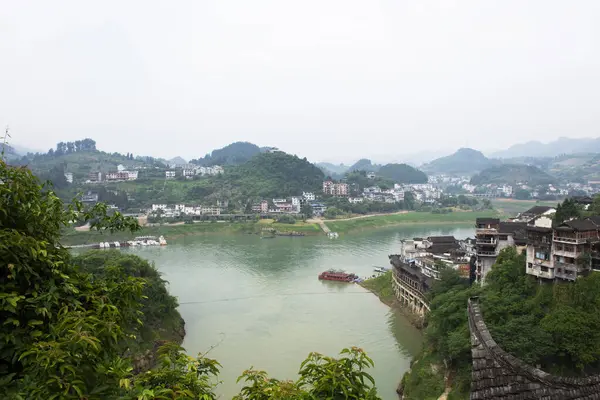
[364, 164]
[463, 161]
[233, 154]
[402, 173]
[513, 173]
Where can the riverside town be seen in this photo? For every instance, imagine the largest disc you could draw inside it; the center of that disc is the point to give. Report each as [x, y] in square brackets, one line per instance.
[334, 200]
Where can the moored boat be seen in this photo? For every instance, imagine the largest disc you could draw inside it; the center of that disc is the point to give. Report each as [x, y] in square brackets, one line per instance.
[340, 276]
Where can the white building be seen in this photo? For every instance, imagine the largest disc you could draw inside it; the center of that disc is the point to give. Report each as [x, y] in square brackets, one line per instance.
[308, 196]
[132, 175]
[211, 210]
[156, 207]
[188, 173]
[69, 177]
[355, 200]
[169, 174]
[121, 167]
[296, 204]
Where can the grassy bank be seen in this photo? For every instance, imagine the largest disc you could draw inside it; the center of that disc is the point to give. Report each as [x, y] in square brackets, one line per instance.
[73, 237]
[511, 207]
[382, 287]
[377, 221]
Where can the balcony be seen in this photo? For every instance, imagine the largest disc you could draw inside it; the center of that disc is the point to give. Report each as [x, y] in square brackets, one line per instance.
[565, 253]
[567, 266]
[486, 253]
[486, 242]
[569, 239]
[566, 275]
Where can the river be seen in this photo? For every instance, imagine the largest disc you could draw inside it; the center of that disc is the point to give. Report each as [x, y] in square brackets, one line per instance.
[258, 303]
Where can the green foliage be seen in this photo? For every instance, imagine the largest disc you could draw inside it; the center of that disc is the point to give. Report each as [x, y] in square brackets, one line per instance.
[382, 286]
[522, 194]
[321, 377]
[511, 173]
[286, 219]
[465, 160]
[402, 173]
[425, 381]
[555, 326]
[364, 164]
[233, 154]
[566, 210]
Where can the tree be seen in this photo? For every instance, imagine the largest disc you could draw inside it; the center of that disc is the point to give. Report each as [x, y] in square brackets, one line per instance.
[522, 194]
[68, 332]
[306, 210]
[566, 211]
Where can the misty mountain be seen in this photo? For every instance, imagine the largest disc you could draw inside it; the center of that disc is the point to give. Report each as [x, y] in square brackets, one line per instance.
[176, 161]
[233, 154]
[560, 146]
[364, 164]
[333, 168]
[463, 161]
[402, 173]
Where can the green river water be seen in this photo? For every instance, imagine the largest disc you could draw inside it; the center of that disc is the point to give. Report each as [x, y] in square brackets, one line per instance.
[258, 302]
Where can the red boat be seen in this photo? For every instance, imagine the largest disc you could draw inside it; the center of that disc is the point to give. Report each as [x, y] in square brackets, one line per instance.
[337, 276]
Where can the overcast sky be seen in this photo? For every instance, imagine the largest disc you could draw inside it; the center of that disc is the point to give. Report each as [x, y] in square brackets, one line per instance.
[331, 80]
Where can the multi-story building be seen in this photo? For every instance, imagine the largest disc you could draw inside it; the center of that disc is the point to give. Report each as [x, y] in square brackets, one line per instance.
[209, 210]
[262, 207]
[89, 197]
[69, 177]
[170, 174]
[335, 189]
[95, 177]
[296, 204]
[308, 196]
[540, 262]
[572, 245]
[493, 236]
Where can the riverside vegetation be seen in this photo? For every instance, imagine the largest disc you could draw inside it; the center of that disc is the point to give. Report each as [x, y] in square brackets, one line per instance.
[74, 326]
[555, 326]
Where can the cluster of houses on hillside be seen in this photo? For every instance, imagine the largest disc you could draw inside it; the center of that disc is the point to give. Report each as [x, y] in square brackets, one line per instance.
[427, 192]
[190, 170]
[553, 252]
[121, 174]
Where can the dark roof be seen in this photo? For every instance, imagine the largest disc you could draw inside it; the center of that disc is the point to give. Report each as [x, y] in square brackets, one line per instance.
[595, 219]
[582, 199]
[441, 248]
[538, 210]
[578, 225]
[540, 229]
[511, 227]
[441, 239]
[487, 221]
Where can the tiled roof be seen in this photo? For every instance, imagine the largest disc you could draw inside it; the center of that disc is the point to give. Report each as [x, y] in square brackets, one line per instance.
[579, 225]
[441, 239]
[487, 221]
[537, 210]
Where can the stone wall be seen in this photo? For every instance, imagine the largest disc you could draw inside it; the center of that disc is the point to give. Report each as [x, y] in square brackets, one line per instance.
[499, 375]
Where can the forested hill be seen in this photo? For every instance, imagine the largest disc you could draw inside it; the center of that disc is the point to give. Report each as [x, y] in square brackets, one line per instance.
[402, 173]
[274, 174]
[233, 154]
[463, 161]
[364, 165]
[513, 173]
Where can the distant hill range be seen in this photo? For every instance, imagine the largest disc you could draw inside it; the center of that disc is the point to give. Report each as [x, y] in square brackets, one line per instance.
[402, 173]
[364, 164]
[233, 154]
[513, 173]
[176, 161]
[329, 168]
[558, 147]
[463, 161]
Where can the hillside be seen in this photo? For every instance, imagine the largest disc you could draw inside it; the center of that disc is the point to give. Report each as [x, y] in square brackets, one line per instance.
[276, 174]
[364, 164]
[80, 158]
[555, 148]
[463, 161]
[233, 154]
[513, 173]
[402, 173]
[332, 168]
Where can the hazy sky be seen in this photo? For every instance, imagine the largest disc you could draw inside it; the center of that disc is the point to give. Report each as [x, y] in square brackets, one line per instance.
[329, 79]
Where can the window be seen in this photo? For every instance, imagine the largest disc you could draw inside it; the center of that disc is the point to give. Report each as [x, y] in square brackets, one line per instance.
[540, 255]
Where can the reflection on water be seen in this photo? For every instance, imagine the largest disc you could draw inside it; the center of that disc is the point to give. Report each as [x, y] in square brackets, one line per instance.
[259, 302]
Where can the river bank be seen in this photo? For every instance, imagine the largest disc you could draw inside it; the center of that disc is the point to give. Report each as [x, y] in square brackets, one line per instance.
[378, 221]
[427, 377]
[308, 228]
